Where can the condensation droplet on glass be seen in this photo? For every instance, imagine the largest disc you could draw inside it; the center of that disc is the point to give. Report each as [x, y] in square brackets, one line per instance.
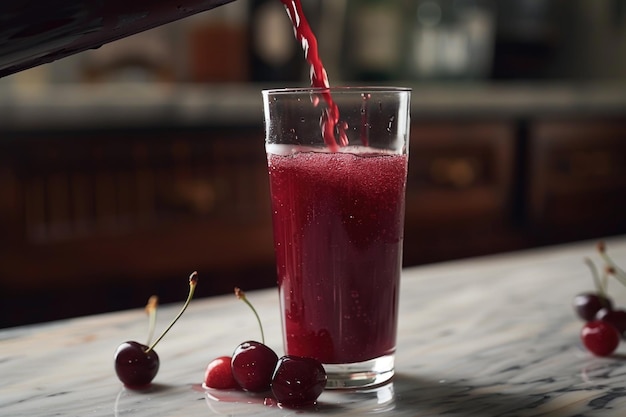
[389, 126]
[302, 119]
[354, 294]
[366, 96]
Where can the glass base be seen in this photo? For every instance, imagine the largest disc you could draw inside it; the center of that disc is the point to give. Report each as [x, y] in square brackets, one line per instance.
[360, 374]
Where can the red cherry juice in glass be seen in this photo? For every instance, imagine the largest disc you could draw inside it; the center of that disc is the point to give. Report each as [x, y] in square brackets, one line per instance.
[338, 230]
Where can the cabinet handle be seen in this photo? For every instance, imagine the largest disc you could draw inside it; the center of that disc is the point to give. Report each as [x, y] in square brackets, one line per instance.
[455, 172]
[199, 196]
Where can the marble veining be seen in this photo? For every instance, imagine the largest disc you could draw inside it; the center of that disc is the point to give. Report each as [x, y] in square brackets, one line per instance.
[484, 337]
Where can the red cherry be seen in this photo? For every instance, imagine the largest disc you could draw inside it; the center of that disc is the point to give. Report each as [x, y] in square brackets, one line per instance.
[219, 374]
[600, 337]
[135, 366]
[615, 317]
[298, 381]
[253, 364]
[588, 304]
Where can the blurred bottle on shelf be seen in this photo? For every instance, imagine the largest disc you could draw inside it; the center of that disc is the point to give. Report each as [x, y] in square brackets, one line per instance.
[529, 36]
[451, 39]
[275, 55]
[41, 31]
[217, 45]
[374, 39]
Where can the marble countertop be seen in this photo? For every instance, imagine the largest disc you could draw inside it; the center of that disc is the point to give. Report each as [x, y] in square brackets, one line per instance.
[484, 337]
[71, 106]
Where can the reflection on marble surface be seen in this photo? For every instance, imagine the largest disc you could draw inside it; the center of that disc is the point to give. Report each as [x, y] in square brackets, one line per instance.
[357, 402]
[484, 337]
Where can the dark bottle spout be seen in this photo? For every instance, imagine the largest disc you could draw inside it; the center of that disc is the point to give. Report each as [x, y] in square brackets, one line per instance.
[41, 31]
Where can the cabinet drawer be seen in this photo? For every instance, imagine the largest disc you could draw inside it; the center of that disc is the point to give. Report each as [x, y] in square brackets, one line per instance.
[89, 184]
[459, 171]
[577, 177]
[133, 204]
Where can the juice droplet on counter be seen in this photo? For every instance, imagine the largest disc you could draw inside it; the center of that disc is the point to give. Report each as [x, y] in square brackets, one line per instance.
[268, 401]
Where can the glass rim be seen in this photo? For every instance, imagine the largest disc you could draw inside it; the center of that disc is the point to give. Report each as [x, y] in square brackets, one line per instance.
[333, 90]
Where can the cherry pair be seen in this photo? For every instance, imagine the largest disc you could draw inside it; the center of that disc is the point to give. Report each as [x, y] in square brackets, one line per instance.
[294, 381]
[604, 325]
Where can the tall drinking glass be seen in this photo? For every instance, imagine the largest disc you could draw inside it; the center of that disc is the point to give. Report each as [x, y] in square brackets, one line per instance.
[338, 217]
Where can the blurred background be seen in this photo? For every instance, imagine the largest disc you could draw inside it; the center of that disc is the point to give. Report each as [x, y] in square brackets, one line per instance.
[125, 168]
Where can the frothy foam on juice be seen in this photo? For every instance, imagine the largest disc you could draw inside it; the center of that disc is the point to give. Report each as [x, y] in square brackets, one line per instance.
[363, 151]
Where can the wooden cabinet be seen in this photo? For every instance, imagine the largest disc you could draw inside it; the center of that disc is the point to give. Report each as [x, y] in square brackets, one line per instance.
[460, 189]
[459, 171]
[576, 178]
[85, 212]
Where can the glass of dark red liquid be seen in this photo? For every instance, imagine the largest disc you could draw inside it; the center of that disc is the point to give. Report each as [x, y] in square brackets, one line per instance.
[337, 163]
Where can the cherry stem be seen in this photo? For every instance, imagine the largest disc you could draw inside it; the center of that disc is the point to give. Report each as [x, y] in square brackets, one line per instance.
[596, 278]
[193, 280]
[242, 296]
[612, 268]
[151, 309]
[605, 280]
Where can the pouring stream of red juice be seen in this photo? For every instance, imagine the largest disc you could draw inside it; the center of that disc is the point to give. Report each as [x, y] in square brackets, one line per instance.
[319, 79]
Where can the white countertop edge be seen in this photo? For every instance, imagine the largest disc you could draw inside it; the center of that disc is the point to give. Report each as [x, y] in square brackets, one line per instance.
[75, 106]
